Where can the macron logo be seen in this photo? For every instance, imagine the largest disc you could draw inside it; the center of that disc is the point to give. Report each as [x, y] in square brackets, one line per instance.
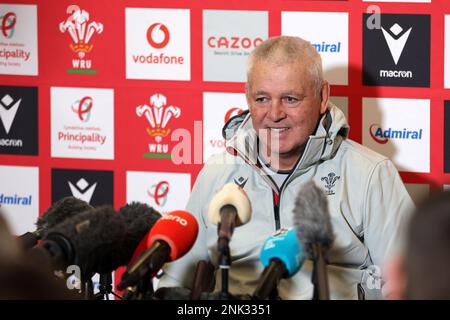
[82, 190]
[8, 110]
[396, 41]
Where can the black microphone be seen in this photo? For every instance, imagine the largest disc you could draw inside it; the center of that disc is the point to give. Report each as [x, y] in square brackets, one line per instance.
[92, 240]
[171, 237]
[282, 257]
[140, 219]
[58, 212]
[315, 232]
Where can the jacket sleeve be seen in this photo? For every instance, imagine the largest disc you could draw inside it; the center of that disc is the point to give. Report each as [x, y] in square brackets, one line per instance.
[180, 273]
[387, 209]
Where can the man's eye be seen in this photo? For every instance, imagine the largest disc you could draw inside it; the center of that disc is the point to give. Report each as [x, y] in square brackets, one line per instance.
[261, 99]
[290, 99]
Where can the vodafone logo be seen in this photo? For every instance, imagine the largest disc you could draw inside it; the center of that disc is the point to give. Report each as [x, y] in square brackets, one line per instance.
[158, 35]
[231, 113]
[233, 42]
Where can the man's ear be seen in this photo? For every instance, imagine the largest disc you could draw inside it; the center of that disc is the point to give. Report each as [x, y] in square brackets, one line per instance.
[325, 96]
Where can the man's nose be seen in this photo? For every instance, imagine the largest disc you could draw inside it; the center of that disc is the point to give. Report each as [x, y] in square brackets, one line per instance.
[277, 112]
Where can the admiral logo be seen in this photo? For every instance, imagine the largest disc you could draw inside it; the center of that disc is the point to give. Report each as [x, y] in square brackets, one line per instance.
[82, 190]
[406, 40]
[330, 39]
[80, 30]
[158, 115]
[19, 197]
[382, 136]
[398, 128]
[159, 192]
[157, 48]
[327, 47]
[92, 186]
[16, 200]
[18, 39]
[18, 117]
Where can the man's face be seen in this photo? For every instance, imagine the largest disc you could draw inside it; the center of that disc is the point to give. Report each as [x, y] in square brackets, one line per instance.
[285, 107]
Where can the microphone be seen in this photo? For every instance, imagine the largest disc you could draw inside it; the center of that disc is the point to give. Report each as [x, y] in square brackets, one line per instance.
[170, 238]
[230, 207]
[139, 219]
[315, 232]
[92, 240]
[282, 256]
[55, 214]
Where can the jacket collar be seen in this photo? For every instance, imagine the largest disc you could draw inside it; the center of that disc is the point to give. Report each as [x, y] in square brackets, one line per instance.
[322, 145]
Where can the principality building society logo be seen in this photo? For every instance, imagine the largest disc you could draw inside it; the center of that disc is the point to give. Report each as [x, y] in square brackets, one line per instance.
[158, 114]
[391, 52]
[81, 30]
[82, 108]
[8, 22]
[159, 192]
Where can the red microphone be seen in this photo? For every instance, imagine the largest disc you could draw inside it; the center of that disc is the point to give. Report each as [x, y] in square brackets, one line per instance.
[171, 237]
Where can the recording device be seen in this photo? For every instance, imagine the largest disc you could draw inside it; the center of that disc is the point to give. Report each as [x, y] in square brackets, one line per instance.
[170, 238]
[229, 208]
[92, 240]
[314, 230]
[58, 212]
[282, 256]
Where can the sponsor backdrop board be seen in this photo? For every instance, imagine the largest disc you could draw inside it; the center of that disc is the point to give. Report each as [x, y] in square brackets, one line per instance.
[115, 101]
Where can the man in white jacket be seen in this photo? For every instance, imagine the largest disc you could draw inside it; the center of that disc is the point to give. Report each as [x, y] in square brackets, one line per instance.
[293, 134]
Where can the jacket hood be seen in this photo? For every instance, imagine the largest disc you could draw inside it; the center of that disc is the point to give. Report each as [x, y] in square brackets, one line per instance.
[322, 145]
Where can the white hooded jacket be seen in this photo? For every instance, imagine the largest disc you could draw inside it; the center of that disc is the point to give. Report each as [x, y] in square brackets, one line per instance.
[369, 208]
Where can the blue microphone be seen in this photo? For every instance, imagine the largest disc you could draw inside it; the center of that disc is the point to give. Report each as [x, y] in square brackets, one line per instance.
[282, 256]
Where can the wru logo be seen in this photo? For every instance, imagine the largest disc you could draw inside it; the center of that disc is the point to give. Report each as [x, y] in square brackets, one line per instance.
[330, 181]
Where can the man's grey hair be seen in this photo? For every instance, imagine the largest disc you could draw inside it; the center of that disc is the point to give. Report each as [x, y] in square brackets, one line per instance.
[284, 50]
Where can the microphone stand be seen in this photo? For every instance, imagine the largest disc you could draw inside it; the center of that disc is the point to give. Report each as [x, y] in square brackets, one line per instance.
[225, 230]
[106, 287]
[319, 275]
